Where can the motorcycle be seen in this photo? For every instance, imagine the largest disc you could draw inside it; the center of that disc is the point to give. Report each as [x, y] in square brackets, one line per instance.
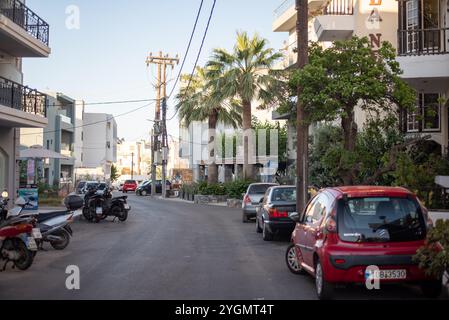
[54, 227]
[98, 207]
[17, 243]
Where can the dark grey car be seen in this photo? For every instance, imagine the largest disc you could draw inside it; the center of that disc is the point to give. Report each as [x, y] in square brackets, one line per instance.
[252, 197]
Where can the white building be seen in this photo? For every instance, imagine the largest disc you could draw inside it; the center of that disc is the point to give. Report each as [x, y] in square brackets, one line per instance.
[23, 34]
[134, 159]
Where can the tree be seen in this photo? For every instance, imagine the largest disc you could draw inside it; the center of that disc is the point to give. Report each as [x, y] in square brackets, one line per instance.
[198, 102]
[349, 75]
[114, 173]
[243, 74]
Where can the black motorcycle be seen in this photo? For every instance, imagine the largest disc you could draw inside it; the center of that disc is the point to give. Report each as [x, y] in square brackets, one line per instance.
[99, 206]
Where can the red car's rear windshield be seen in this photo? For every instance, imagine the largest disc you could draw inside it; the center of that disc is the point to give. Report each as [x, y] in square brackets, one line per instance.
[130, 182]
[380, 219]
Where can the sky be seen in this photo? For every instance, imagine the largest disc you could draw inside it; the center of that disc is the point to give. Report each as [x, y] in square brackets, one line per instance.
[104, 60]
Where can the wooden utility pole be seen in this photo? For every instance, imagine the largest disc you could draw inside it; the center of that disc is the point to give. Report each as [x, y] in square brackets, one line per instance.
[302, 127]
[159, 130]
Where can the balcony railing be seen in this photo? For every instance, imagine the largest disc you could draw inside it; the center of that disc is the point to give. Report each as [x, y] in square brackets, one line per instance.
[423, 41]
[339, 8]
[21, 15]
[19, 97]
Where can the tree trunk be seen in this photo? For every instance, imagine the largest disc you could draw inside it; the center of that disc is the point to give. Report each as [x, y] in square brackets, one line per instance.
[248, 169]
[302, 127]
[350, 135]
[212, 176]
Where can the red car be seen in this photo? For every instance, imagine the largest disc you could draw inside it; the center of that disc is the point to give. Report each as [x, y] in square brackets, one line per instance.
[345, 230]
[129, 185]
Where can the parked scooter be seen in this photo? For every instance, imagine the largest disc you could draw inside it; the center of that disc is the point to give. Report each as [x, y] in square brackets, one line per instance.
[17, 244]
[98, 207]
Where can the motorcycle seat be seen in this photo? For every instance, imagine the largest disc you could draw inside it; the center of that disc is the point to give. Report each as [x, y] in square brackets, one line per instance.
[47, 216]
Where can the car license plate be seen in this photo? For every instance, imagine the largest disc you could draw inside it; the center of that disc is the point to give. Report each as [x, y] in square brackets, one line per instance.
[36, 233]
[126, 206]
[31, 244]
[399, 274]
[99, 210]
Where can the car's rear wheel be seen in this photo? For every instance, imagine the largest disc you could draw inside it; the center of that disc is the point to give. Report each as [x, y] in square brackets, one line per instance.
[292, 260]
[324, 289]
[143, 193]
[258, 228]
[432, 289]
[266, 234]
[245, 218]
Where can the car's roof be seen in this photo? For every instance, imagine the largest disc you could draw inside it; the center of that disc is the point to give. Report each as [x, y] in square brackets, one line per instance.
[283, 187]
[360, 191]
[264, 184]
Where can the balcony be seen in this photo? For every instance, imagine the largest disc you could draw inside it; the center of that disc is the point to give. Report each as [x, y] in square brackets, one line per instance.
[423, 55]
[22, 32]
[285, 14]
[21, 106]
[336, 22]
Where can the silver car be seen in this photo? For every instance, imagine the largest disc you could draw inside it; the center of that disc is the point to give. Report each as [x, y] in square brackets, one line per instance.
[252, 198]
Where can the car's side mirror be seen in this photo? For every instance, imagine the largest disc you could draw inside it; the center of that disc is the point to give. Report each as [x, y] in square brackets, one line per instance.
[295, 216]
[261, 200]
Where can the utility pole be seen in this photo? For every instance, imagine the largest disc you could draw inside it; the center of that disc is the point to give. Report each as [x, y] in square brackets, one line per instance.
[132, 165]
[302, 134]
[159, 129]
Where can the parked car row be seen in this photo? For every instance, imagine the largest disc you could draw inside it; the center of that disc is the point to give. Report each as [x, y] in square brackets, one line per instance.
[347, 235]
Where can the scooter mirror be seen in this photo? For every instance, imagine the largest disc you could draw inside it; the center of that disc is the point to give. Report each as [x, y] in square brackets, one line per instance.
[5, 194]
[20, 201]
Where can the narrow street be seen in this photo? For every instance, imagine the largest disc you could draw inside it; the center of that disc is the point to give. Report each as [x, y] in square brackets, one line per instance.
[172, 250]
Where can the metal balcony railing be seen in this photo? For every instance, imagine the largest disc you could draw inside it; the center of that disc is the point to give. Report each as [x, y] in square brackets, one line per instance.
[21, 15]
[423, 41]
[339, 8]
[19, 97]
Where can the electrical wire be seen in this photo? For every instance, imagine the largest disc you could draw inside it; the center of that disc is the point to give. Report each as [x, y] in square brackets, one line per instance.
[96, 122]
[199, 52]
[188, 48]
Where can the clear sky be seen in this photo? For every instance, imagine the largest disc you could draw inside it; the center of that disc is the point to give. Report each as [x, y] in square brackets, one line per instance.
[105, 59]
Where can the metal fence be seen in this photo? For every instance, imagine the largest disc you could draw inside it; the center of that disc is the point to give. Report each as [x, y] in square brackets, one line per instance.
[423, 41]
[21, 15]
[19, 97]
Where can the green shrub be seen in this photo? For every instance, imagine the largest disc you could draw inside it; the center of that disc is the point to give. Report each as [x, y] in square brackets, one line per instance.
[216, 189]
[235, 189]
[433, 260]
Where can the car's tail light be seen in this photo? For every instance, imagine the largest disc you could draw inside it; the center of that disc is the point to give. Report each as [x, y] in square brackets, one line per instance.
[247, 200]
[275, 213]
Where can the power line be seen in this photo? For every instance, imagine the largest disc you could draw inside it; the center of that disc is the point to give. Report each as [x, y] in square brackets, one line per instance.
[93, 123]
[188, 48]
[199, 51]
[103, 102]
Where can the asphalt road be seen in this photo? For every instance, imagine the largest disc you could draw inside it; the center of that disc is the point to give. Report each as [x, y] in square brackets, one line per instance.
[173, 250]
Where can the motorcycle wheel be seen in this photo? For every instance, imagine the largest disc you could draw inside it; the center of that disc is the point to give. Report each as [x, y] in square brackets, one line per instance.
[86, 214]
[120, 213]
[26, 256]
[63, 243]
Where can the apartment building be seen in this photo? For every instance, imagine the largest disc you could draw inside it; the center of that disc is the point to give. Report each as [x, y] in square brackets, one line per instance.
[418, 29]
[99, 148]
[23, 34]
[134, 159]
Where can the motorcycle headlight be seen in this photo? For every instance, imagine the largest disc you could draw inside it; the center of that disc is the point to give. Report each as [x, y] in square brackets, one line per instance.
[5, 194]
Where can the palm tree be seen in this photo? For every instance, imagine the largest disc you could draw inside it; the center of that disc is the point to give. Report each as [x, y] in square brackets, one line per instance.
[197, 102]
[244, 74]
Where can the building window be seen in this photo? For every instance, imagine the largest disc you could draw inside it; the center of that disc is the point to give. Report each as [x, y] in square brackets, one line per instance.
[427, 116]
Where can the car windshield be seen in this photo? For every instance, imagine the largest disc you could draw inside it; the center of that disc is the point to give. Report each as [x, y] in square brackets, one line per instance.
[259, 188]
[143, 184]
[81, 184]
[102, 186]
[380, 219]
[284, 195]
[92, 185]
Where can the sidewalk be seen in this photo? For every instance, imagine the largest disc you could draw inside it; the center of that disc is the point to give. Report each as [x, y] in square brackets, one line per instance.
[218, 204]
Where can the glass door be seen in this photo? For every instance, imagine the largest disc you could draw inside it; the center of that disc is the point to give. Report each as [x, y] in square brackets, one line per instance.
[412, 25]
[431, 24]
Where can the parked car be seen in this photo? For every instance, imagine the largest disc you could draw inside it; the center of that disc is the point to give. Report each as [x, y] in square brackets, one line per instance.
[345, 230]
[252, 197]
[88, 185]
[273, 212]
[101, 188]
[80, 186]
[145, 188]
[129, 185]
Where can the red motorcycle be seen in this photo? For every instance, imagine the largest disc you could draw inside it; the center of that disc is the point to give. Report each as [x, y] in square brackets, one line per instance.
[17, 244]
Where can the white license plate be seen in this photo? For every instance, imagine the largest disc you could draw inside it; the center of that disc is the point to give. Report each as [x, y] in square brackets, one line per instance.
[126, 206]
[399, 274]
[31, 244]
[36, 233]
[99, 210]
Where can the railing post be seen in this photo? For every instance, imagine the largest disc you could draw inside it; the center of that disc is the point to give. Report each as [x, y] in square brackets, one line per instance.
[14, 10]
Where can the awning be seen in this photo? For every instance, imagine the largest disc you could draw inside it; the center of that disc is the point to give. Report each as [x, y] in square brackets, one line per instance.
[38, 152]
